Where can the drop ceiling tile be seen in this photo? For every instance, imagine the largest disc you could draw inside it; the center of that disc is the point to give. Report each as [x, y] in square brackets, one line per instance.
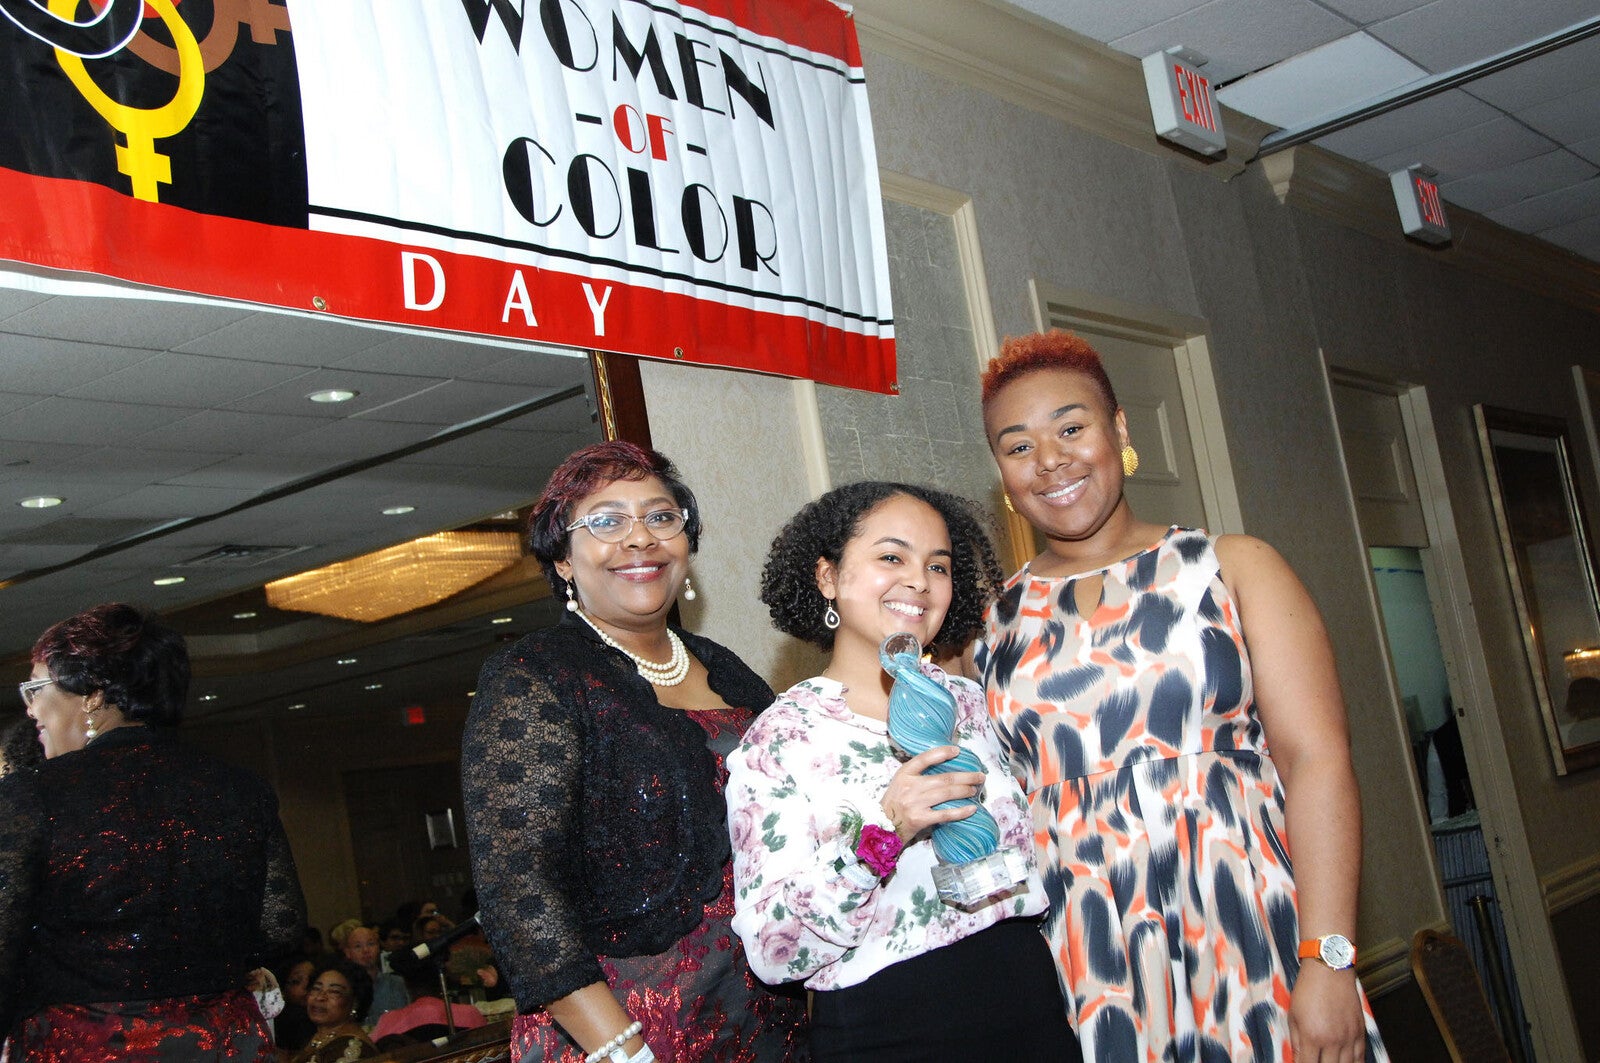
[1363, 12]
[10, 400]
[255, 473]
[1553, 209]
[1572, 117]
[49, 366]
[424, 355]
[1492, 189]
[350, 439]
[1240, 36]
[1450, 33]
[453, 402]
[226, 431]
[286, 337]
[59, 420]
[1103, 21]
[1323, 81]
[19, 458]
[1582, 236]
[16, 300]
[161, 502]
[1542, 78]
[155, 324]
[132, 465]
[1414, 123]
[1588, 150]
[1467, 151]
[373, 390]
[189, 381]
[536, 368]
[493, 446]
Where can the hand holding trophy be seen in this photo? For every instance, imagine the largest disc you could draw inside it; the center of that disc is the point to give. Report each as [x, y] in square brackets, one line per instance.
[922, 715]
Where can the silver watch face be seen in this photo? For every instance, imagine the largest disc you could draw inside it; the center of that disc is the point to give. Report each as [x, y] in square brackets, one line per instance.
[1337, 952]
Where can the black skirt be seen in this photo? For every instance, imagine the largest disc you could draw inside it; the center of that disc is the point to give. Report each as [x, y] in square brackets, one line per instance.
[991, 996]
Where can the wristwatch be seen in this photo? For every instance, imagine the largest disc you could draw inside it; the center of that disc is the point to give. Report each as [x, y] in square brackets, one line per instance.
[1334, 950]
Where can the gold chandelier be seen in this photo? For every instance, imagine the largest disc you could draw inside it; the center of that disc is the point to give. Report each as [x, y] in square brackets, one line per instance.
[398, 579]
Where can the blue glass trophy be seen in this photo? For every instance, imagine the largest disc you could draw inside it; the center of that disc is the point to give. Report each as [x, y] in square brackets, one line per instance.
[922, 714]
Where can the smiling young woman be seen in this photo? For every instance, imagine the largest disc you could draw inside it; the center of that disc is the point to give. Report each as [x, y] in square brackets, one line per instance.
[833, 862]
[1169, 701]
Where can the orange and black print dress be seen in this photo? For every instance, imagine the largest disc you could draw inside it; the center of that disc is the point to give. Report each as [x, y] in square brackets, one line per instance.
[1157, 812]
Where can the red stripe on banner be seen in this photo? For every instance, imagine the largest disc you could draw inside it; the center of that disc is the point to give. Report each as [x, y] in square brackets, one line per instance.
[823, 28]
[84, 227]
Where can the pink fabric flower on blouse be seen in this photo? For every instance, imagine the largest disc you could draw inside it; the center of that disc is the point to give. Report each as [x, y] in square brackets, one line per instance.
[879, 849]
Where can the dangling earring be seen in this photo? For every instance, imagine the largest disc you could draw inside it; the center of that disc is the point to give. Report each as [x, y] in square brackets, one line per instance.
[688, 590]
[1130, 461]
[830, 617]
[89, 731]
[572, 598]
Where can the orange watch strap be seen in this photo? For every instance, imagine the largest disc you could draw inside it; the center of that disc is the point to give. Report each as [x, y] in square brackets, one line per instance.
[1310, 950]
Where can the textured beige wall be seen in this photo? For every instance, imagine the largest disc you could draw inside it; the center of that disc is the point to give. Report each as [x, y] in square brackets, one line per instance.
[737, 439]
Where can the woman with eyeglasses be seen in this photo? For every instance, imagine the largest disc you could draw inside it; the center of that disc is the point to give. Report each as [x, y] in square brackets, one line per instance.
[140, 881]
[337, 1000]
[592, 769]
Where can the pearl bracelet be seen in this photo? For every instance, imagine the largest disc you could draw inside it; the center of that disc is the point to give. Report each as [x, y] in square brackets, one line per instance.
[614, 1045]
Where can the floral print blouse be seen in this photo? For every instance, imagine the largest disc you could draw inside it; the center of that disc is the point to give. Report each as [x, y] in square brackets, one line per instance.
[804, 765]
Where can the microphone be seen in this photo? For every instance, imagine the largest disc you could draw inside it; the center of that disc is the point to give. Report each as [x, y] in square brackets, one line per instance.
[444, 940]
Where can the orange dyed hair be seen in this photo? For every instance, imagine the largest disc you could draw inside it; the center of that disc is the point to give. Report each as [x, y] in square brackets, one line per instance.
[1056, 349]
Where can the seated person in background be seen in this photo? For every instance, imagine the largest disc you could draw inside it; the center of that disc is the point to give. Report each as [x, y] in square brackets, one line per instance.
[388, 989]
[20, 748]
[392, 936]
[293, 1027]
[311, 946]
[429, 927]
[423, 1019]
[338, 998]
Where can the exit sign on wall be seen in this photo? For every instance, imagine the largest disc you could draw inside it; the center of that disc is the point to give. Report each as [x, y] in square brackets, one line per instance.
[1416, 194]
[1182, 104]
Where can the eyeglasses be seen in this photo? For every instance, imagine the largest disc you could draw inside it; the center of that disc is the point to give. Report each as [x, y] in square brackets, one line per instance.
[31, 688]
[328, 990]
[613, 527]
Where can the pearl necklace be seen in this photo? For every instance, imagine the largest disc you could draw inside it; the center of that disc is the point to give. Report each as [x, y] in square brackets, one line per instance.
[675, 671]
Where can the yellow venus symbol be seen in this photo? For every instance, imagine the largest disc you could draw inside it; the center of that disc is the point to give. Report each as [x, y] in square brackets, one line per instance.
[141, 127]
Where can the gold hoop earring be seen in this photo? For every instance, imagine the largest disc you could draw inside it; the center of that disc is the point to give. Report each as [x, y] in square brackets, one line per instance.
[1130, 461]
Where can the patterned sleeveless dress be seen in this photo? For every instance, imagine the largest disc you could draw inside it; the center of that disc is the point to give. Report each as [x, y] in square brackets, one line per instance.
[1157, 811]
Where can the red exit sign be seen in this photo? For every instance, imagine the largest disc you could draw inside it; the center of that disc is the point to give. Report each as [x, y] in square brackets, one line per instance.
[1416, 196]
[1182, 105]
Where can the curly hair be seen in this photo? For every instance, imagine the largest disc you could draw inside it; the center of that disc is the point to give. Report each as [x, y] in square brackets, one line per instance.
[1056, 349]
[20, 749]
[580, 475]
[139, 663]
[823, 527]
[360, 981]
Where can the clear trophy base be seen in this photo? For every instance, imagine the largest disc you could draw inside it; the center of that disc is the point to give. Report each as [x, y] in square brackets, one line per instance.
[966, 885]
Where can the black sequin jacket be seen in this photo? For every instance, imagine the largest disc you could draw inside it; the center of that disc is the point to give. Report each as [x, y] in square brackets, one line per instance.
[137, 869]
[595, 816]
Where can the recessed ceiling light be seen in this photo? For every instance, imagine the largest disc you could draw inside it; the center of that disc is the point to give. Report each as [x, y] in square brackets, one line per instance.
[373, 686]
[333, 395]
[501, 620]
[208, 697]
[297, 705]
[398, 511]
[345, 660]
[40, 502]
[244, 616]
[167, 581]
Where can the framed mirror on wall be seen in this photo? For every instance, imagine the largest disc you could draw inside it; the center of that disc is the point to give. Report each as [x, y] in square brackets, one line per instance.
[1549, 559]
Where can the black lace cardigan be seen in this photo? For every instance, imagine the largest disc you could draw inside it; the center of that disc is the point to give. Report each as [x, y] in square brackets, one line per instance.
[135, 869]
[595, 816]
